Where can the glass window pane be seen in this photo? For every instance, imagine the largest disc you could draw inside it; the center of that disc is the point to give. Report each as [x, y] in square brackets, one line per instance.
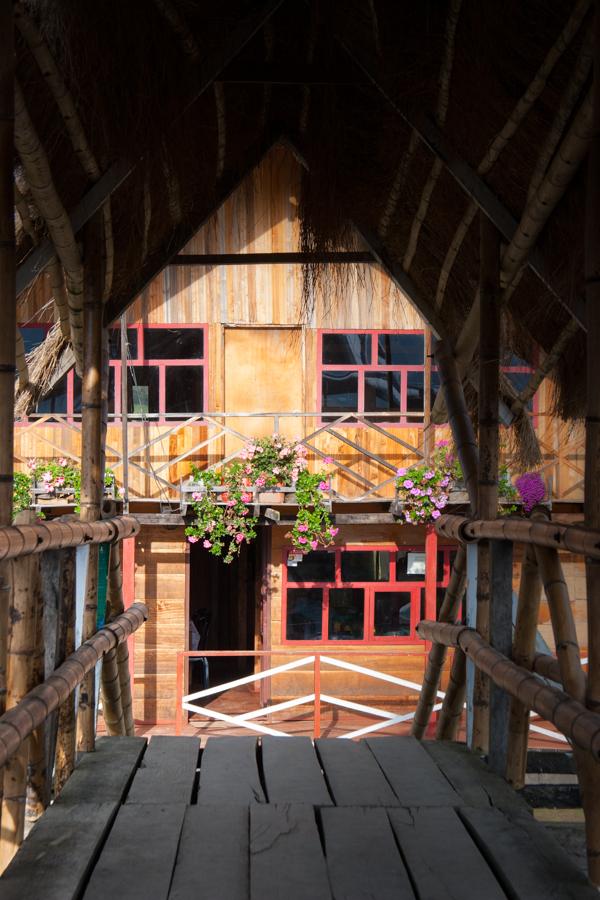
[366, 565]
[434, 386]
[77, 386]
[114, 343]
[173, 343]
[392, 613]
[346, 614]
[382, 392]
[410, 565]
[346, 349]
[304, 614]
[415, 391]
[142, 390]
[519, 381]
[56, 400]
[401, 349]
[340, 392]
[184, 389]
[440, 593]
[33, 335]
[316, 566]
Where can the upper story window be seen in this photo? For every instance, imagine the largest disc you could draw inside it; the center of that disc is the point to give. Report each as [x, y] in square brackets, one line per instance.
[165, 372]
[379, 374]
[366, 595]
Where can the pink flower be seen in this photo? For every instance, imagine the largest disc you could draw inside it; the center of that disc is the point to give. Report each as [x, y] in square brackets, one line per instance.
[442, 443]
[230, 503]
[445, 481]
[303, 527]
[323, 486]
[47, 476]
[31, 463]
[333, 531]
[239, 537]
[260, 481]
[246, 497]
[416, 492]
[196, 495]
[401, 472]
[314, 544]
[328, 461]
[408, 483]
[244, 511]
[302, 540]
[276, 470]
[192, 538]
[248, 470]
[435, 514]
[294, 474]
[206, 544]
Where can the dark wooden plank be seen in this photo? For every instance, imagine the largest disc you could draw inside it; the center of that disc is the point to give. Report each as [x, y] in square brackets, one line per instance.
[286, 857]
[501, 638]
[139, 855]
[106, 773]
[443, 861]
[212, 862]
[353, 775]
[55, 860]
[362, 856]
[412, 773]
[229, 772]
[168, 771]
[471, 778]
[526, 859]
[291, 771]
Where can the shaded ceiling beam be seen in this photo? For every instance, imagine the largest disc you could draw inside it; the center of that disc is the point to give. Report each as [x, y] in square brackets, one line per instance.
[258, 72]
[271, 259]
[183, 233]
[473, 185]
[208, 70]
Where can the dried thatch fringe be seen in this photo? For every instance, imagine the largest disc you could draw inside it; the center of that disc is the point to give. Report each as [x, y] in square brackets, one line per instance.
[521, 109]
[22, 369]
[42, 363]
[35, 163]
[441, 112]
[397, 185]
[549, 361]
[179, 27]
[66, 106]
[59, 293]
[219, 92]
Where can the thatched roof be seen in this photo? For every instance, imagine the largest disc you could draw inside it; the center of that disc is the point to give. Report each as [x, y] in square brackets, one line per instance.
[400, 111]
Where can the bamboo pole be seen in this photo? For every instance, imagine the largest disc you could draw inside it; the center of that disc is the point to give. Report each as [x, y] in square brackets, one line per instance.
[454, 701]
[20, 680]
[23, 540]
[112, 706]
[17, 724]
[530, 589]
[573, 538]
[92, 456]
[117, 607]
[437, 655]
[64, 755]
[38, 787]
[8, 316]
[571, 718]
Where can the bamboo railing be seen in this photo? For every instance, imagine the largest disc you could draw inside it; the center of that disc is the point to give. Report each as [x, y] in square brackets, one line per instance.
[553, 687]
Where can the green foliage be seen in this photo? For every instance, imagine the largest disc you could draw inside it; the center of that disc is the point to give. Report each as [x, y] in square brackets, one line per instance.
[21, 492]
[313, 526]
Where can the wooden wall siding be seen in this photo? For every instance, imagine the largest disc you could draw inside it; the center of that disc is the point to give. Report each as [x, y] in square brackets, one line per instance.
[160, 583]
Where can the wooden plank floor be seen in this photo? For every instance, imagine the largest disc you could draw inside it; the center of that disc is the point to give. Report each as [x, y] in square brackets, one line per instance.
[391, 818]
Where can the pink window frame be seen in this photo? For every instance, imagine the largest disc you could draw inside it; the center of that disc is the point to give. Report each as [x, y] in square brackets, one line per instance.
[361, 369]
[140, 360]
[369, 587]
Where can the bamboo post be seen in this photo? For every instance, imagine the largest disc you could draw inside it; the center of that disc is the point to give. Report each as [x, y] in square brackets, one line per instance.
[124, 411]
[454, 700]
[92, 457]
[112, 704]
[117, 607]
[530, 589]
[64, 757]
[437, 654]
[38, 788]
[20, 670]
[487, 473]
[592, 443]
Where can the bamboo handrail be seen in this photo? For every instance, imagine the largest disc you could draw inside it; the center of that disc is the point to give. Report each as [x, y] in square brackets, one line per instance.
[571, 718]
[574, 538]
[20, 540]
[18, 723]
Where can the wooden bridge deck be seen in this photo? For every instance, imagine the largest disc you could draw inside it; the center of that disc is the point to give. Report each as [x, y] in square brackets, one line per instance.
[283, 818]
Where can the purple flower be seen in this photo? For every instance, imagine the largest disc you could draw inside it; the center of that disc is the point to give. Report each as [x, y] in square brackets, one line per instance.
[442, 443]
[239, 537]
[303, 527]
[435, 514]
[192, 538]
[401, 472]
[416, 492]
[323, 486]
[314, 544]
[408, 484]
[207, 544]
[531, 488]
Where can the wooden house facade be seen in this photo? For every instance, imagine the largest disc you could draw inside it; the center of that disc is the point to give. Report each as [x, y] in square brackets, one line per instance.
[222, 353]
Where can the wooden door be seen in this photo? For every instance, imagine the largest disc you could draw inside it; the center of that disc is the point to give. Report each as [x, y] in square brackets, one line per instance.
[264, 373]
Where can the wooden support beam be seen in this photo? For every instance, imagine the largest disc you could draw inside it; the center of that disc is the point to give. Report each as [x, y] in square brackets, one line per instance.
[454, 701]
[472, 183]
[64, 755]
[501, 640]
[92, 456]
[350, 257]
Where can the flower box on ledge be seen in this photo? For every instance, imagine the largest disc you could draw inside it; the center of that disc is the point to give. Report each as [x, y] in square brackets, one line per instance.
[283, 495]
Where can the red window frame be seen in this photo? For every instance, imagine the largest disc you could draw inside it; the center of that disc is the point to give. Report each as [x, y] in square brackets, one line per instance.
[402, 421]
[370, 588]
[140, 360]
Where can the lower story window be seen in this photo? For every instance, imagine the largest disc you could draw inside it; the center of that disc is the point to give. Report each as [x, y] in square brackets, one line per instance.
[359, 595]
